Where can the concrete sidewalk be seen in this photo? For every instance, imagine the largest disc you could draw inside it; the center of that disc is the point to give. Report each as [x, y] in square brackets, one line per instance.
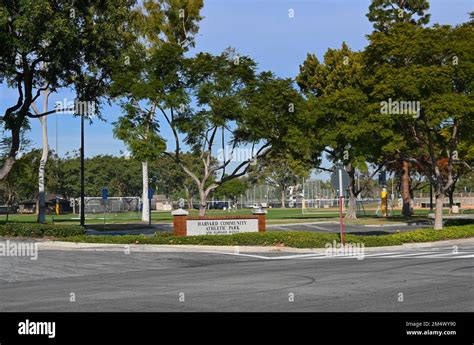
[58, 245]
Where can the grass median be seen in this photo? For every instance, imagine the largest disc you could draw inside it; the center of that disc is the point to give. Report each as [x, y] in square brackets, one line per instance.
[295, 239]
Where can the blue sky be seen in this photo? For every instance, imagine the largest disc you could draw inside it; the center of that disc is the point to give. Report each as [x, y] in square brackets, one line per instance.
[261, 29]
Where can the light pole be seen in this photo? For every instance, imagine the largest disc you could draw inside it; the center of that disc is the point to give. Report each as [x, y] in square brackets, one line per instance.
[82, 217]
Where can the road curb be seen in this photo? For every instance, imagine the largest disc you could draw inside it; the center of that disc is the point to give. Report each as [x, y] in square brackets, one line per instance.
[58, 245]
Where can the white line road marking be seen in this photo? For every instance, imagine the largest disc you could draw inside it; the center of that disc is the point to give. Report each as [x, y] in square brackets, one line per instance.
[443, 255]
[411, 254]
[422, 255]
[378, 254]
[466, 256]
[317, 227]
[278, 227]
[240, 254]
[341, 256]
[297, 256]
[285, 257]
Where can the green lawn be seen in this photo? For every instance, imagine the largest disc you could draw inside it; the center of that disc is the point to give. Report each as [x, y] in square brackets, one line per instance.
[166, 217]
[274, 216]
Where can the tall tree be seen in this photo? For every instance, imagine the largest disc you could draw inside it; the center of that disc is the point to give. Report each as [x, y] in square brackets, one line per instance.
[20, 184]
[338, 106]
[44, 157]
[172, 181]
[76, 40]
[383, 13]
[428, 72]
[138, 129]
[161, 29]
[280, 171]
[235, 110]
[231, 189]
[101, 172]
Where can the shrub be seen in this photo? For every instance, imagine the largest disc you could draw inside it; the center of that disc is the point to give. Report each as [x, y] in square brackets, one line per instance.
[459, 221]
[39, 230]
[296, 239]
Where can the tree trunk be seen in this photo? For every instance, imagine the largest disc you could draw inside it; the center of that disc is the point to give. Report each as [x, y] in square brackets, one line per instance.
[352, 211]
[14, 147]
[406, 209]
[451, 191]
[41, 173]
[145, 203]
[41, 202]
[439, 211]
[283, 197]
[6, 167]
[189, 198]
[451, 197]
[202, 203]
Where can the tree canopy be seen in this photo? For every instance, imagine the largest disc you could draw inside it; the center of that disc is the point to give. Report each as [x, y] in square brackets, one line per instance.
[49, 44]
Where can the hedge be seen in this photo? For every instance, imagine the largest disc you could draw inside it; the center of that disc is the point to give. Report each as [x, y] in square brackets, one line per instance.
[458, 221]
[296, 239]
[39, 230]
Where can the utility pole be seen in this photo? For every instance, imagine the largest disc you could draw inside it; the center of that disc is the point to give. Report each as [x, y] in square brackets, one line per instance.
[83, 218]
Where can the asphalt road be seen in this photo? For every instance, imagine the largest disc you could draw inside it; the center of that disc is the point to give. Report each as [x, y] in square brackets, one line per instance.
[429, 279]
[334, 227]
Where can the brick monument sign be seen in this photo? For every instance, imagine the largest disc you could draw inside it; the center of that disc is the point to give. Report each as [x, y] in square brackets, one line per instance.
[184, 225]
